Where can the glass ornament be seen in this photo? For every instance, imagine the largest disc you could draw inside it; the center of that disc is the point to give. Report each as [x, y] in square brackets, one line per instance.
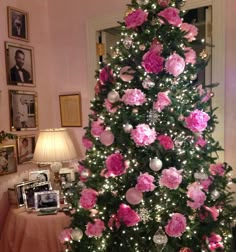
[113, 96]
[155, 164]
[127, 128]
[127, 42]
[142, 2]
[147, 84]
[200, 175]
[160, 239]
[76, 234]
[215, 194]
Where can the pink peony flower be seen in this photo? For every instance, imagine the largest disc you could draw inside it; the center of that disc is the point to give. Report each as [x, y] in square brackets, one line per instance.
[97, 87]
[115, 165]
[109, 106]
[97, 127]
[190, 30]
[152, 62]
[143, 135]
[176, 225]
[65, 235]
[87, 143]
[206, 97]
[127, 215]
[145, 182]
[95, 229]
[185, 250]
[156, 46]
[171, 15]
[162, 101]
[196, 195]
[190, 55]
[136, 18]
[163, 3]
[217, 169]
[82, 170]
[205, 183]
[166, 142]
[114, 222]
[175, 64]
[215, 241]
[214, 211]
[134, 97]
[106, 75]
[88, 198]
[197, 120]
[200, 142]
[171, 178]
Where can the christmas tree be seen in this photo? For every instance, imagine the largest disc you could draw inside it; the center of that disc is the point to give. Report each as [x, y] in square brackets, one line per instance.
[151, 180]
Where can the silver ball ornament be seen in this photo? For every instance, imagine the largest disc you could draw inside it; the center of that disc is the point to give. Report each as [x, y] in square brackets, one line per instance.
[142, 2]
[127, 128]
[76, 234]
[113, 96]
[160, 237]
[215, 194]
[155, 164]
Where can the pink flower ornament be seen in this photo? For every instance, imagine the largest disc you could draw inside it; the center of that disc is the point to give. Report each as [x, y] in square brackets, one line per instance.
[190, 55]
[136, 18]
[95, 229]
[145, 182]
[175, 64]
[200, 142]
[176, 225]
[88, 198]
[65, 235]
[215, 242]
[88, 144]
[171, 178]
[127, 215]
[97, 127]
[106, 75]
[152, 62]
[171, 15]
[217, 169]
[162, 101]
[163, 3]
[196, 195]
[143, 135]
[197, 121]
[114, 222]
[190, 30]
[166, 142]
[134, 97]
[115, 165]
[109, 106]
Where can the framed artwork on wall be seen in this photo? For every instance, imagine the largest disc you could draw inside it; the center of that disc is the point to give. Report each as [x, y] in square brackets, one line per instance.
[23, 110]
[8, 163]
[70, 110]
[25, 147]
[19, 65]
[18, 24]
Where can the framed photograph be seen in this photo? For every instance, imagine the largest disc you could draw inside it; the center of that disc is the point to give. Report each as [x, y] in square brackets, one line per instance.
[25, 147]
[18, 24]
[67, 175]
[8, 158]
[23, 110]
[41, 175]
[19, 65]
[31, 189]
[47, 200]
[19, 191]
[70, 110]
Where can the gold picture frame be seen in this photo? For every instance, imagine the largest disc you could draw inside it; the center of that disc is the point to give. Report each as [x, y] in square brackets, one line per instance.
[70, 110]
[18, 24]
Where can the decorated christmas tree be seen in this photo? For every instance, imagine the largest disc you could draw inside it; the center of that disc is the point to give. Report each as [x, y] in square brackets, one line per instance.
[151, 180]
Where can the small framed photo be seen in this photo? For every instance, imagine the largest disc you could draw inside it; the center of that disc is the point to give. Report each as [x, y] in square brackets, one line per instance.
[23, 110]
[41, 175]
[67, 175]
[46, 200]
[19, 65]
[31, 189]
[70, 110]
[8, 160]
[19, 191]
[18, 24]
[25, 146]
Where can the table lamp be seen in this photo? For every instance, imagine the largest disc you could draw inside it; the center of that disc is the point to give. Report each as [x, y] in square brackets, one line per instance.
[53, 147]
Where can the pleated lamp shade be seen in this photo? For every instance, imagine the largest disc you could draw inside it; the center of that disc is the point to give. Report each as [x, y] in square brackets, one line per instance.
[54, 145]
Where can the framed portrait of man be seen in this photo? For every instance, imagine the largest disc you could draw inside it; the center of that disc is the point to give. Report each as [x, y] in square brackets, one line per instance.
[19, 65]
[23, 110]
[18, 24]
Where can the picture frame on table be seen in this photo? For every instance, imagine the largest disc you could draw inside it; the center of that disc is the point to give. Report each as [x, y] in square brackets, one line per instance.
[19, 191]
[8, 157]
[23, 108]
[20, 70]
[40, 175]
[18, 24]
[70, 110]
[47, 200]
[67, 175]
[25, 148]
[31, 189]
